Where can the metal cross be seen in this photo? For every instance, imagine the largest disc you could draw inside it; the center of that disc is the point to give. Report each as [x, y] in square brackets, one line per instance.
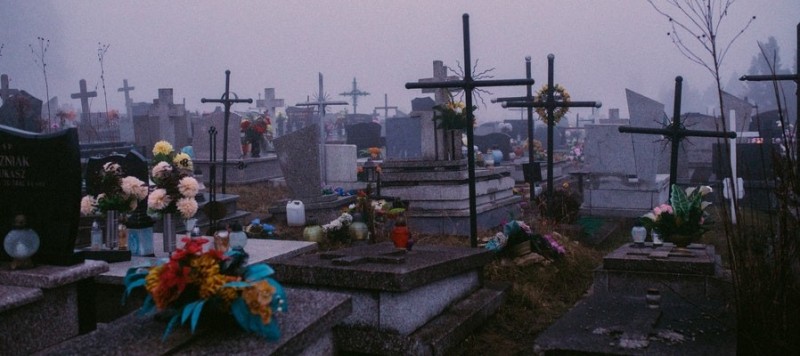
[84, 96]
[386, 107]
[5, 91]
[468, 84]
[127, 89]
[676, 132]
[550, 104]
[227, 101]
[355, 93]
[781, 77]
[321, 103]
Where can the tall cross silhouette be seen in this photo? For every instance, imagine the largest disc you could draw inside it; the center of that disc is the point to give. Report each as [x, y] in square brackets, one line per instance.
[227, 102]
[355, 93]
[468, 84]
[321, 103]
[127, 89]
[781, 77]
[84, 96]
[676, 132]
[549, 104]
[386, 107]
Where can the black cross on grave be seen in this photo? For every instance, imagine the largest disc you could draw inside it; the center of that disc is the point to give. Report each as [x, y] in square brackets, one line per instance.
[84, 96]
[468, 84]
[781, 77]
[675, 132]
[355, 93]
[227, 101]
[386, 107]
[549, 104]
[5, 90]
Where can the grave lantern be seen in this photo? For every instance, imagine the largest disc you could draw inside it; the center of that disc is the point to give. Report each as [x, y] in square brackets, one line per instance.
[372, 174]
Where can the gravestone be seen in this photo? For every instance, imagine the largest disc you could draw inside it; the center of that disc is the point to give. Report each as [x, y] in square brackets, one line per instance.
[364, 135]
[5, 89]
[646, 112]
[617, 317]
[126, 132]
[40, 177]
[403, 138]
[160, 120]
[270, 103]
[341, 166]
[84, 96]
[201, 142]
[492, 141]
[22, 111]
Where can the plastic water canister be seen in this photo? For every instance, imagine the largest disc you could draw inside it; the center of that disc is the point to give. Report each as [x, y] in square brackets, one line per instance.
[295, 213]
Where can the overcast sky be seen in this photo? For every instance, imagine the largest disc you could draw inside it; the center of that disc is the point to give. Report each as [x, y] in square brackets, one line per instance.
[601, 47]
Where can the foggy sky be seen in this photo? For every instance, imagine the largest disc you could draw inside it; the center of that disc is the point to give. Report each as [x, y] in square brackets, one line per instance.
[600, 48]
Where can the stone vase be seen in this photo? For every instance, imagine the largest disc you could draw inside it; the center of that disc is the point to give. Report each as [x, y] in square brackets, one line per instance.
[169, 239]
[683, 240]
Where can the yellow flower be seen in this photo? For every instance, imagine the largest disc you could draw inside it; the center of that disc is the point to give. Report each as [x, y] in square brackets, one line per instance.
[162, 147]
[183, 161]
[258, 297]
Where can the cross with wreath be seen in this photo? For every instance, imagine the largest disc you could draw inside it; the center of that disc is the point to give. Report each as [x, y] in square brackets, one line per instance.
[552, 107]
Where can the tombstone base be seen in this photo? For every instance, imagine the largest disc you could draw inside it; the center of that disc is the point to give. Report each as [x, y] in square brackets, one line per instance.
[617, 196]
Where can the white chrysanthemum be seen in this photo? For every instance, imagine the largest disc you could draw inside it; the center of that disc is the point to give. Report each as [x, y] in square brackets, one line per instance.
[161, 169]
[88, 205]
[158, 199]
[346, 218]
[133, 187]
[188, 187]
[187, 207]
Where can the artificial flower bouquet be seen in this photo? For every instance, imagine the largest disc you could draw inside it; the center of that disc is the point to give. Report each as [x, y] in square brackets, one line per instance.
[192, 282]
[452, 115]
[116, 191]
[175, 188]
[684, 215]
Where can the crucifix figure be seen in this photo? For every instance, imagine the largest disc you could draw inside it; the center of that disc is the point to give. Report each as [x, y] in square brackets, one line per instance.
[676, 132]
[321, 103]
[127, 89]
[550, 104]
[84, 96]
[386, 107]
[5, 91]
[227, 101]
[781, 77]
[355, 93]
[439, 75]
[468, 84]
[270, 103]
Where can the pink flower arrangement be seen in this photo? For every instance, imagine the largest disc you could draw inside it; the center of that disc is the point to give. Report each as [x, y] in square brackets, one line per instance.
[175, 188]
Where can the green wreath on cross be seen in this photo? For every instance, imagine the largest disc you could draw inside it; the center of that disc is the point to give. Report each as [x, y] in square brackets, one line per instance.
[559, 112]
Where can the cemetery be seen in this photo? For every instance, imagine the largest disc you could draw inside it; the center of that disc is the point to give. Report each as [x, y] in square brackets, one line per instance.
[226, 224]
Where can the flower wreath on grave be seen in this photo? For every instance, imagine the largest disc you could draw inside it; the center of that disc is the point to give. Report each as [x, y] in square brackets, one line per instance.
[516, 232]
[558, 113]
[117, 191]
[175, 188]
[192, 282]
[452, 116]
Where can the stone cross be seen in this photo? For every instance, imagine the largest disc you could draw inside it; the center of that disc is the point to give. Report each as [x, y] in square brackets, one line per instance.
[270, 103]
[355, 93]
[439, 75]
[227, 101]
[550, 104]
[126, 126]
[84, 96]
[468, 84]
[386, 107]
[5, 91]
[321, 103]
[127, 89]
[675, 132]
[781, 77]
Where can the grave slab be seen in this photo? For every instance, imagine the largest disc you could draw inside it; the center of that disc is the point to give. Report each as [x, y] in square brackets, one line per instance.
[305, 330]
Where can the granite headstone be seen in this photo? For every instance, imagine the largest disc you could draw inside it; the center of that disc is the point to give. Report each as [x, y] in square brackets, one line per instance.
[298, 155]
[201, 142]
[364, 135]
[403, 138]
[40, 177]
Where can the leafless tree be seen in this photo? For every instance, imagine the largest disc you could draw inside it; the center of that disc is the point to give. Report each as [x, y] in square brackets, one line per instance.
[39, 59]
[101, 53]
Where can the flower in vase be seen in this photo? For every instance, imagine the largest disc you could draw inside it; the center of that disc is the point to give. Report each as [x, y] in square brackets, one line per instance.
[175, 188]
[162, 148]
[161, 169]
[115, 190]
[187, 207]
[188, 186]
[88, 205]
[158, 199]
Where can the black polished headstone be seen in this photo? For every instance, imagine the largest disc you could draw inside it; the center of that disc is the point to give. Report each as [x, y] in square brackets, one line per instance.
[40, 177]
[493, 141]
[364, 135]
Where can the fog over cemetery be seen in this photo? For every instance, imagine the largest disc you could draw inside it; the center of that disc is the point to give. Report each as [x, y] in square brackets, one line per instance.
[408, 177]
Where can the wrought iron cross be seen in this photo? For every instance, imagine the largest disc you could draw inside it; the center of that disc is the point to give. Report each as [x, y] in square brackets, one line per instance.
[676, 132]
[355, 93]
[468, 84]
[781, 77]
[227, 101]
[549, 104]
